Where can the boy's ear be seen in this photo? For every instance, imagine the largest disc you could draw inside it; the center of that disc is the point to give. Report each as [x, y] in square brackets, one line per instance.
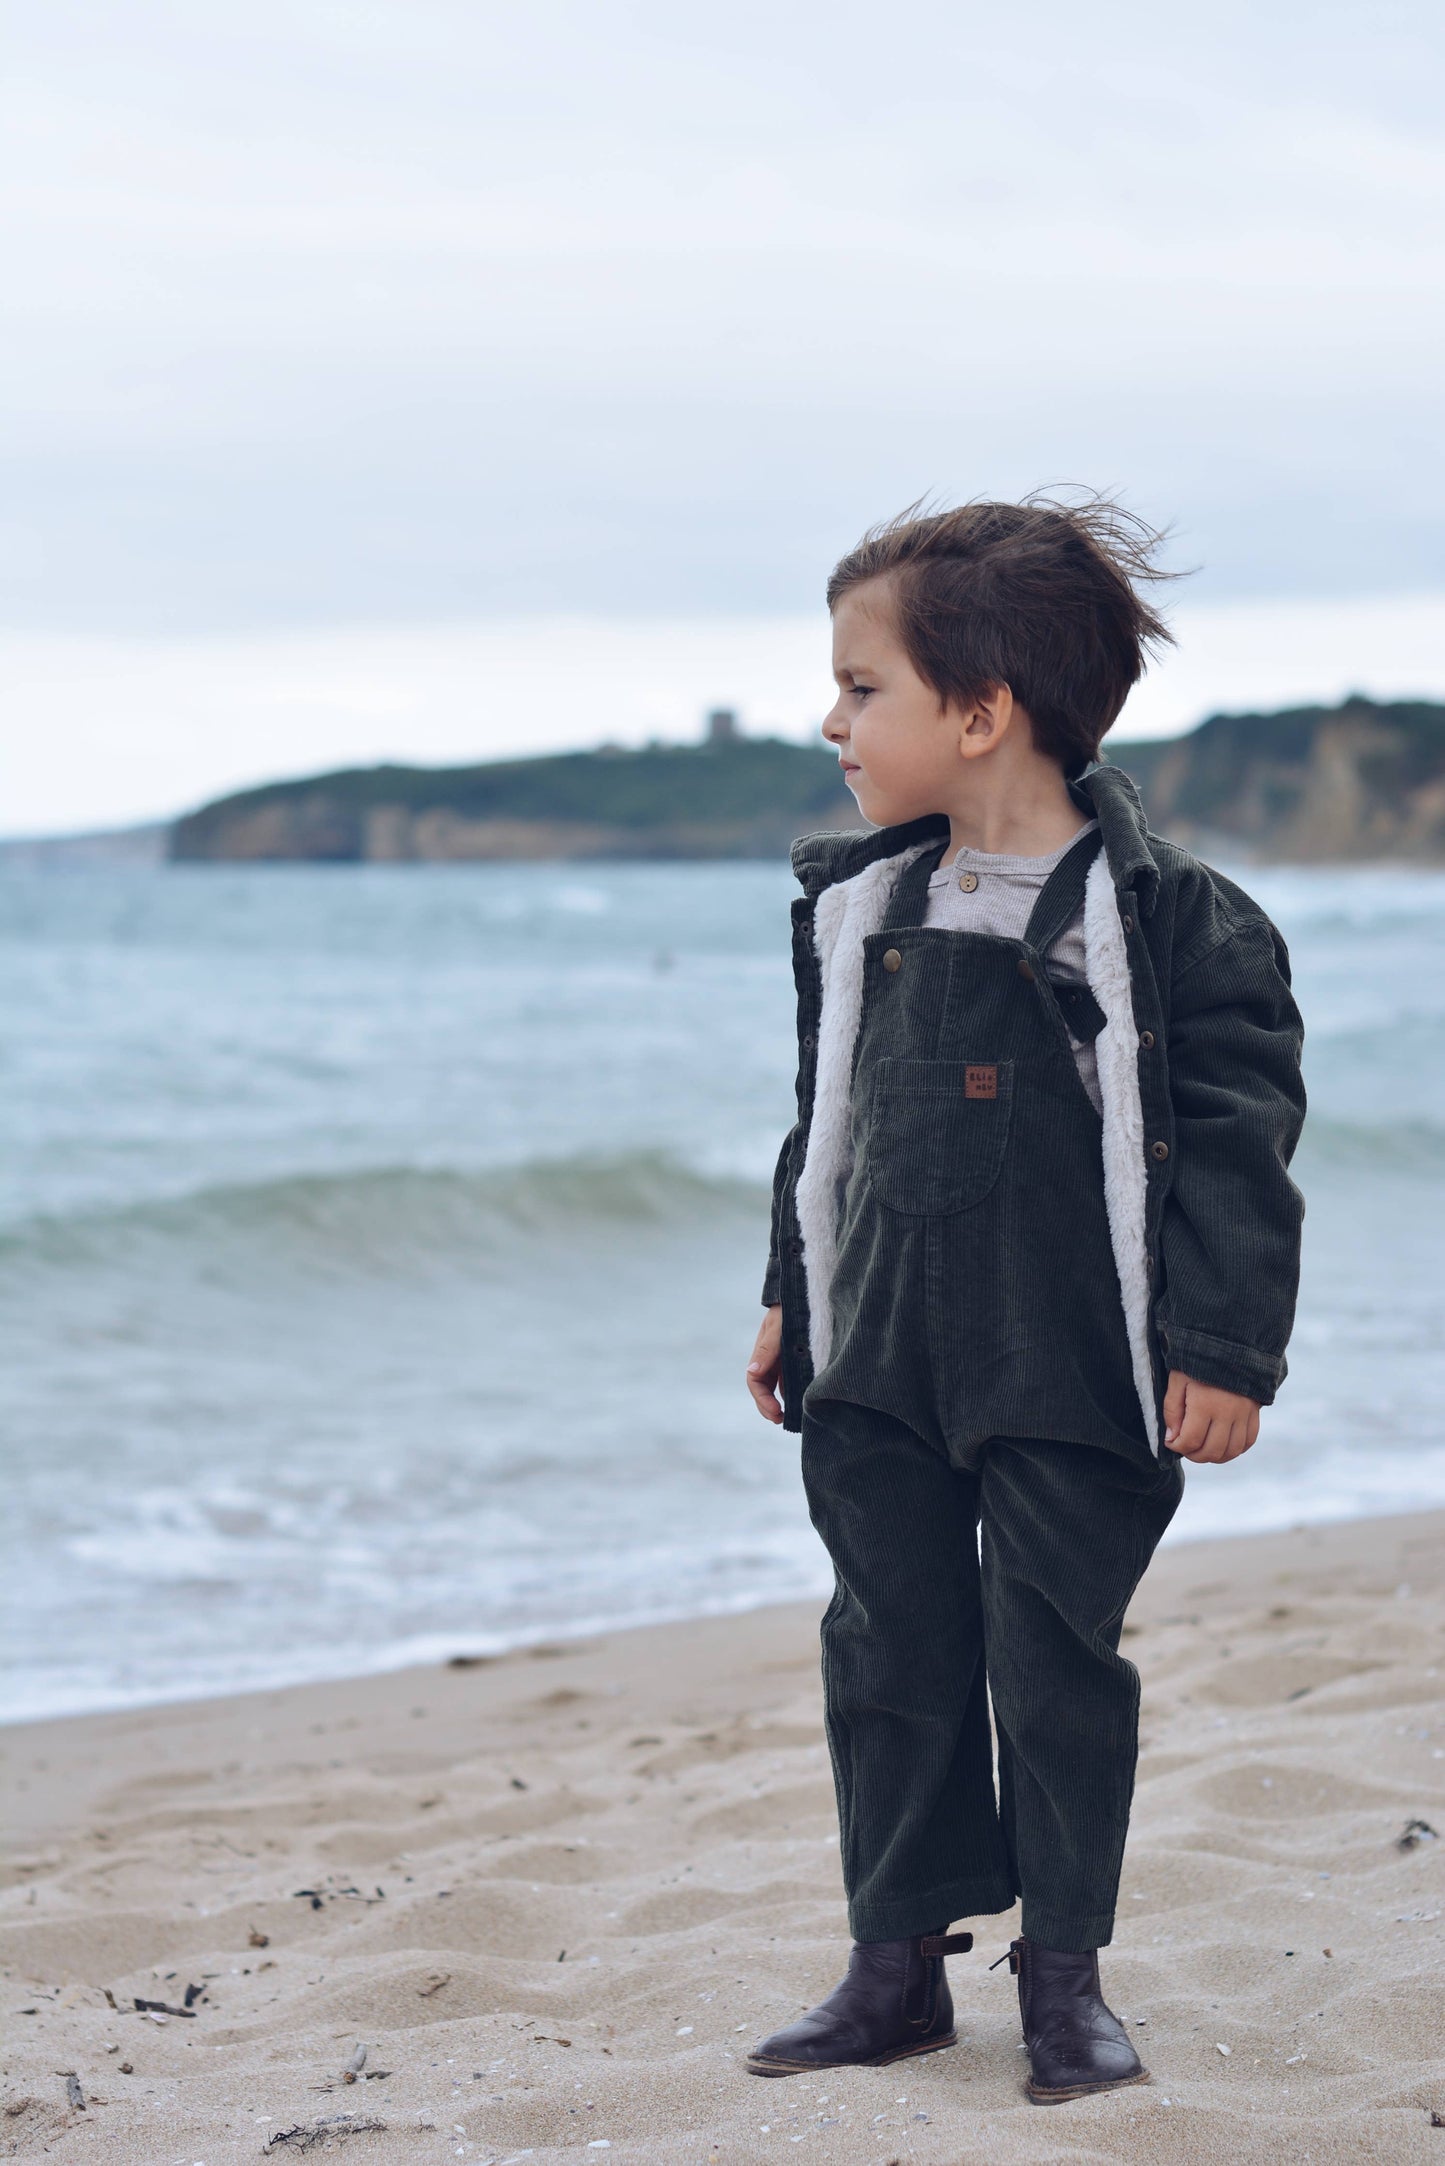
[985, 721]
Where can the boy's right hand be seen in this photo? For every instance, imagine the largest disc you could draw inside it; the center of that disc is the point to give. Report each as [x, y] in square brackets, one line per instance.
[765, 1365]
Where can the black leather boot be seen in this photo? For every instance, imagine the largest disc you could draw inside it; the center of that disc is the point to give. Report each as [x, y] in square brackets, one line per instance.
[1076, 2045]
[893, 2002]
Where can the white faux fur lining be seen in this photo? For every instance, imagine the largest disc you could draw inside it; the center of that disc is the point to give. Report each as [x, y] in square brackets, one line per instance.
[1106, 960]
[845, 916]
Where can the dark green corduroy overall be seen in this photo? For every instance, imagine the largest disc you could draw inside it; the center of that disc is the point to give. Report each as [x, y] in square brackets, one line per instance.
[979, 1380]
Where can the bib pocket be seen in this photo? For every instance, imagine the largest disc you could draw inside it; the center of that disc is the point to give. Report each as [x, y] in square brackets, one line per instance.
[937, 1132]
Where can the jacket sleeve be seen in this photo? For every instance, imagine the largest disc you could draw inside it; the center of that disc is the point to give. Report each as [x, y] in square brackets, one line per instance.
[772, 1286]
[1230, 1233]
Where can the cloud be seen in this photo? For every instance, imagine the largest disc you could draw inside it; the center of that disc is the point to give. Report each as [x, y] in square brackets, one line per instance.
[328, 310]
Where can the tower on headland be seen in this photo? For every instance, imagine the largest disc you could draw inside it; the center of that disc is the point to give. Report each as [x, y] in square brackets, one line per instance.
[722, 726]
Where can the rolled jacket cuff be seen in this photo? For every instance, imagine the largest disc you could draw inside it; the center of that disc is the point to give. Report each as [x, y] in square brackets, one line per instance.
[772, 1289]
[1224, 1363]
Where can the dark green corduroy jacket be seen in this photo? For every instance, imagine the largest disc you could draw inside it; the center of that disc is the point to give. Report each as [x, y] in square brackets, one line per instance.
[1220, 1086]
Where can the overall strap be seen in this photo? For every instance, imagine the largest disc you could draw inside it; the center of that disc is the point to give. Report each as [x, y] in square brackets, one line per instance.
[910, 897]
[1062, 896]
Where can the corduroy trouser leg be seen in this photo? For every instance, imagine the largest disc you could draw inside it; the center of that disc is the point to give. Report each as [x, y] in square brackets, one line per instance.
[920, 1633]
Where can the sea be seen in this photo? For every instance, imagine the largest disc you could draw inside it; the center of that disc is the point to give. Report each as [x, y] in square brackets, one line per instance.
[381, 1248]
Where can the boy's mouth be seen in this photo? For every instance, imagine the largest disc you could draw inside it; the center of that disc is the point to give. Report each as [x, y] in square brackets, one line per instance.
[849, 767]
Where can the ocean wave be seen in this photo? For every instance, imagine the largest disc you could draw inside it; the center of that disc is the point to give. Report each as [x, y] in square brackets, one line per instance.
[369, 1215]
[1409, 1146]
[1412, 1038]
[364, 1216]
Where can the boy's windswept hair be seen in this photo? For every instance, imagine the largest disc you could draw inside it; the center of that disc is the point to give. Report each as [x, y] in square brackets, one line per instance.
[1041, 596]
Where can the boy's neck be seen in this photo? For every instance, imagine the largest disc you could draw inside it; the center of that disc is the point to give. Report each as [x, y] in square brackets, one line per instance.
[1012, 809]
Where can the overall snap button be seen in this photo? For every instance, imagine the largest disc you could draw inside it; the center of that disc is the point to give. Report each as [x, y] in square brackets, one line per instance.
[1026, 969]
[1159, 1150]
[892, 960]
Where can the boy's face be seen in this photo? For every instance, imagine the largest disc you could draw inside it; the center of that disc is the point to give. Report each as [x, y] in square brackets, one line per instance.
[899, 746]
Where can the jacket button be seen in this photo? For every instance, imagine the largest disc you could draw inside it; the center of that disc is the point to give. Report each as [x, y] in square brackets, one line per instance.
[1146, 1039]
[1128, 925]
[892, 960]
[800, 1346]
[808, 1042]
[1159, 1150]
[1026, 969]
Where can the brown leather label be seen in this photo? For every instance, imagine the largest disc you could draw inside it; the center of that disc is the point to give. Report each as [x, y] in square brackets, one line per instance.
[980, 1082]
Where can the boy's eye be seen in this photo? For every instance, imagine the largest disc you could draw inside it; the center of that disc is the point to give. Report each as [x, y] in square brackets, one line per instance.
[861, 691]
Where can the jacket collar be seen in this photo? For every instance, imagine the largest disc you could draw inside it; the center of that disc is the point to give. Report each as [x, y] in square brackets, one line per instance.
[1106, 792]
[824, 859]
[1112, 797]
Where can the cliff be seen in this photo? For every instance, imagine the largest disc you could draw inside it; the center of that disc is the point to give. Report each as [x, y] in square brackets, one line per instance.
[747, 797]
[1357, 782]
[1361, 782]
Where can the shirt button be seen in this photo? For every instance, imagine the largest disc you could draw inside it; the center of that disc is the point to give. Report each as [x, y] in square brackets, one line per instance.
[1146, 1039]
[1026, 969]
[968, 881]
[892, 960]
[1159, 1150]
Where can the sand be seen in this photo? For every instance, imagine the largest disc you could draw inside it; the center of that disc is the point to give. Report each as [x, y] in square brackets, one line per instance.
[557, 1895]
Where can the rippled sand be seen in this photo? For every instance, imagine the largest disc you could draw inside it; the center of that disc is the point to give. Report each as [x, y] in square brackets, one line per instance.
[557, 1895]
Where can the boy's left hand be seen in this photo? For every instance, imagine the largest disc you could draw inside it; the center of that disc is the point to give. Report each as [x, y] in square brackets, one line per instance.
[1206, 1424]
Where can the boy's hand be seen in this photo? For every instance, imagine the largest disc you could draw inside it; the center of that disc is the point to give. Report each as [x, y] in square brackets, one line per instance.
[1205, 1424]
[765, 1365]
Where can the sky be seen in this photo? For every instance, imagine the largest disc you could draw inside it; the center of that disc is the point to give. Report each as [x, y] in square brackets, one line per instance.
[353, 349]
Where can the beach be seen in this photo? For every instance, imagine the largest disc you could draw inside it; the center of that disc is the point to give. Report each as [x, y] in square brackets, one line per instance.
[469, 541]
[557, 1894]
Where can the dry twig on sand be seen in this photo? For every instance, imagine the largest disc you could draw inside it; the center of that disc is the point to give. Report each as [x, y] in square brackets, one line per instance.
[318, 2135]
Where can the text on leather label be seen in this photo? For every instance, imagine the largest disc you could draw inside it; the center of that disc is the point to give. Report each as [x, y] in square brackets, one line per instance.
[980, 1082]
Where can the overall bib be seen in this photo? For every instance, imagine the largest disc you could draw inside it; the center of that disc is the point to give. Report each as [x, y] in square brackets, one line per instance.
[979, 1382]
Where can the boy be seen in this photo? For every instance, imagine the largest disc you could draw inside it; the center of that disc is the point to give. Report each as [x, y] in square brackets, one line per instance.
[1033, 1223]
